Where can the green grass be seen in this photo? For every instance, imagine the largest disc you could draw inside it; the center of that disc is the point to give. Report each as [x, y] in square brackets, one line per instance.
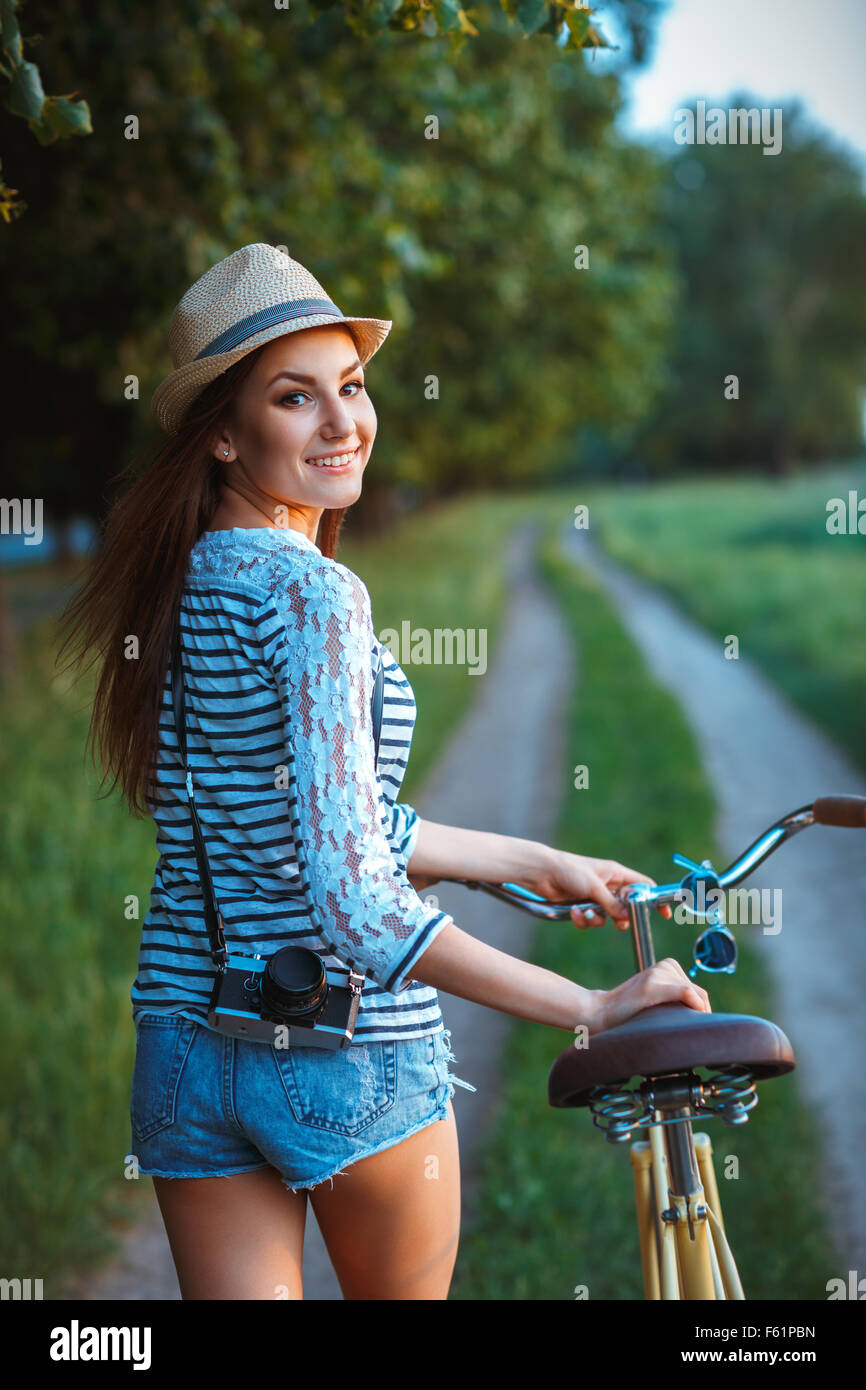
[556, 1201]
[69, 862]
[73, 868]
[753, 557]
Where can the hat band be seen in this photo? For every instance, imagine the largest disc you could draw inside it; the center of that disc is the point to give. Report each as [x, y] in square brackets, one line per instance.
[263, 318]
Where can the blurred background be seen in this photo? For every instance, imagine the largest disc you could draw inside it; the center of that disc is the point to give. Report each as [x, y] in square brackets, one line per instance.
[586, 312]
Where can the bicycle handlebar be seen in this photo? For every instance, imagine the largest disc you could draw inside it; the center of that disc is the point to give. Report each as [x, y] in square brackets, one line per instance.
[842, 811]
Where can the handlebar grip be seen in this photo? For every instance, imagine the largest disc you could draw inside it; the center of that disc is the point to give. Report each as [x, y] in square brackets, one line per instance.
[847, 811]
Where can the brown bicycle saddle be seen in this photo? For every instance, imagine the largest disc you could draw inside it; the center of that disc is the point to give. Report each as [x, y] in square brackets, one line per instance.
[668, 1038]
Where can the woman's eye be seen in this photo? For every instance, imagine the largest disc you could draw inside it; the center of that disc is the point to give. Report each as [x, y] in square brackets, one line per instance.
[290, 394]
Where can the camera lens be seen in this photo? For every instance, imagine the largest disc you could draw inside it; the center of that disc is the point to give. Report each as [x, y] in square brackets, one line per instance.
[294, 983]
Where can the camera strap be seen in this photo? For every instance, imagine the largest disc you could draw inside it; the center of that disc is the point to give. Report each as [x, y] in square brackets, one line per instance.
[212, 913]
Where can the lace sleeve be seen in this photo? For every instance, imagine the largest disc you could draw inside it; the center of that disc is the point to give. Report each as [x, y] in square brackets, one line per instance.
[360, 901]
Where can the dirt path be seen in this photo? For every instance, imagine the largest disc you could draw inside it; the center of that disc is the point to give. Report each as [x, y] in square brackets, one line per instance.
[501, 771]
[765, 759]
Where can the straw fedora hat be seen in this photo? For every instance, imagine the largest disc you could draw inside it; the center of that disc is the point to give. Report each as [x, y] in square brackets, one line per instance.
[253, 295]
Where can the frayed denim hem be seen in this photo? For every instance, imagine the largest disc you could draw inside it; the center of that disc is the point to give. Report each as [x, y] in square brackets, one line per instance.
[449, 1057]
[440, 1113]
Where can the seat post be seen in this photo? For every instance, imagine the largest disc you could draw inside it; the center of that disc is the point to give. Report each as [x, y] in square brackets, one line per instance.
[684, 1177]
[642, 940]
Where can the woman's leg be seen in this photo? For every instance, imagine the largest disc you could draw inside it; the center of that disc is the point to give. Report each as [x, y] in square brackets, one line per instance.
[235, 1238]
[391, 1223]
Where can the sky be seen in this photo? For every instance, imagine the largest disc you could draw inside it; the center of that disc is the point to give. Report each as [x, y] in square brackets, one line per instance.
[775, 49]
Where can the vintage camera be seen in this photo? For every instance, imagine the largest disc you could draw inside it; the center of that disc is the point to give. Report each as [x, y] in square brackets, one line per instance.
[287, 996]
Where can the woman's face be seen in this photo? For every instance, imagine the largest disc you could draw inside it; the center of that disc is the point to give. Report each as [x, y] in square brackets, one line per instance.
[305, 399]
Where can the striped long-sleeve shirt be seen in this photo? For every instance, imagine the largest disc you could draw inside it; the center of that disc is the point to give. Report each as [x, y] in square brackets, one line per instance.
[306, 842]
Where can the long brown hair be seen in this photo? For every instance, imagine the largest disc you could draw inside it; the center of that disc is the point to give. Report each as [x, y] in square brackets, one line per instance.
[134, 586]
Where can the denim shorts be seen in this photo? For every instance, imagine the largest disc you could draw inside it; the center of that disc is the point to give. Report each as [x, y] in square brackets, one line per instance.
[204, 1104]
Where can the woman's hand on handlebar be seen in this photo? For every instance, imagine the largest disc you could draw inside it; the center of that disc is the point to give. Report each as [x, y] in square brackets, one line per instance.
[576, 877]
[663, 983]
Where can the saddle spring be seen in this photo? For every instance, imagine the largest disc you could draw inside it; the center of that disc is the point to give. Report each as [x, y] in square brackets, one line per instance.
[735, 1089]
[617, 1110]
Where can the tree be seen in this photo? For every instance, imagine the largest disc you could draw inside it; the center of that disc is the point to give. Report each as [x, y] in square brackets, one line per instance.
[771, 252]
[230, 128]
[49, 118]
[567, 22]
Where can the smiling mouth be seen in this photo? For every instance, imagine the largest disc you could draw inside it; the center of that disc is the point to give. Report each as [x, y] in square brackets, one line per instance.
[337, 463]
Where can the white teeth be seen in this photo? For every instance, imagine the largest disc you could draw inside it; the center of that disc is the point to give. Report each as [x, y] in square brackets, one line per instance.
[340, 461]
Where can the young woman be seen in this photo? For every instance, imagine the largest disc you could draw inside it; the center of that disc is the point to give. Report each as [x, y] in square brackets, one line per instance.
[231, 534]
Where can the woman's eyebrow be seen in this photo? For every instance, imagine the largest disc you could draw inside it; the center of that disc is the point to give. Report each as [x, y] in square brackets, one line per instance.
[311, 380]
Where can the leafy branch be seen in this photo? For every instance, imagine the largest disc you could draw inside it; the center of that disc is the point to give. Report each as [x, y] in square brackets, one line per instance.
[49, 118]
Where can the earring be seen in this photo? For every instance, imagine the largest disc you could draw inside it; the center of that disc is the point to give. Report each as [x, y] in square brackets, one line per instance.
[226, 452]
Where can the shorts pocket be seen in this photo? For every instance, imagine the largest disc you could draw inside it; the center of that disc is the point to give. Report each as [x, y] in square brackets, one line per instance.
[162, 1046]
[343, 1090]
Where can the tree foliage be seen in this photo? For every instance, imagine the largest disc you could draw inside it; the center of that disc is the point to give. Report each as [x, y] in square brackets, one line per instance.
[771, 255]
[568, 23]
[445, 190]
[49, 118]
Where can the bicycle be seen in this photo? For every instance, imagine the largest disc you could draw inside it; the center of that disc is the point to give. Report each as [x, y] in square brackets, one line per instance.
[683, 1247]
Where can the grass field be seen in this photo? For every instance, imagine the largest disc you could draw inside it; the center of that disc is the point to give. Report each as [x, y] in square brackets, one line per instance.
[754, 558]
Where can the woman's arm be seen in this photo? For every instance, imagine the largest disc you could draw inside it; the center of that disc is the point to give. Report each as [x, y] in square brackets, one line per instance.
[448, 851]
[462, 965]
